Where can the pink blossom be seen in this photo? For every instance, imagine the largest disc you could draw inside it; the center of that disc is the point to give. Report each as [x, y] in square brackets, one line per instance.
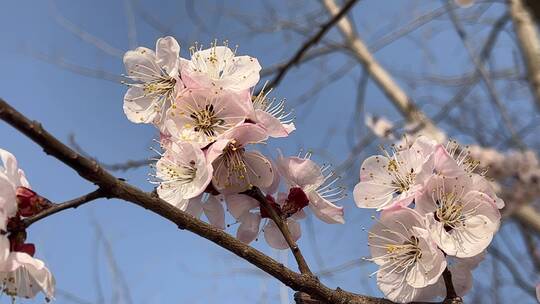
[246, 210]
[235, 169]
[219, 68]
[461, 220]
[200, 117]
[388, 180]
[183, 173]
[317, 183]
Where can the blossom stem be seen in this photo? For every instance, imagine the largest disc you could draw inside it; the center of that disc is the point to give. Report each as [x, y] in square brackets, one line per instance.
[451, 295]
[256, 193]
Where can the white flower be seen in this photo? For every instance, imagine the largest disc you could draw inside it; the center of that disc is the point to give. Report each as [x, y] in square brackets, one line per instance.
[200, 116]
[24, 276]
[409, 260]
[156, 81]
[387, 180]
[235, 169]
[183, 173]
[461, 220]
[219, 68]
[317, 183]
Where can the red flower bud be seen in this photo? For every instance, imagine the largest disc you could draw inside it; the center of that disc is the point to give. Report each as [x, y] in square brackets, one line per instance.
[29, 202]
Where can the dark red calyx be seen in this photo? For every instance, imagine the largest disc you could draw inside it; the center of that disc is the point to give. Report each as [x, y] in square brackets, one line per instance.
[29, 249]
[15, 224]
[296, 201]
[272, 203]
[29, 202]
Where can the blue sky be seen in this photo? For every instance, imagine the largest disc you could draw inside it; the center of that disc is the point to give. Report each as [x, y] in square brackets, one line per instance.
[159, 263]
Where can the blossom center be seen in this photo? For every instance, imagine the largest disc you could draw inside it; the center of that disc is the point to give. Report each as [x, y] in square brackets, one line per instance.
[234, 160]
[184, 173]
[206, 120]
[403, 256]
[450, 211]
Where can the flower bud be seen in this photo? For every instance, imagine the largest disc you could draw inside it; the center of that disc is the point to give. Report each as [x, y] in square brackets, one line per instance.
[29, 202]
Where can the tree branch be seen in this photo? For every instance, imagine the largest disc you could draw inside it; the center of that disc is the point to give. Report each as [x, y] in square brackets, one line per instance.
[74, 203]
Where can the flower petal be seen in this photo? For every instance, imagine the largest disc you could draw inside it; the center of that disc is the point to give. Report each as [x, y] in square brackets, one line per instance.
[167, 51]
[249, 227]
[213, 209]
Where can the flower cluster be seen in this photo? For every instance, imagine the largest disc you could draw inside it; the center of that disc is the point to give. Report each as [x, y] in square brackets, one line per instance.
[437, 213]
[21, 275]
[210, 123]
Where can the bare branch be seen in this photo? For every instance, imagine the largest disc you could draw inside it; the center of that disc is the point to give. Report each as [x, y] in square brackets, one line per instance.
[74, 203]
[529, 42]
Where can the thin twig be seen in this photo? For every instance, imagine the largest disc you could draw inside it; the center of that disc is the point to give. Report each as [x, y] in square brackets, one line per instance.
[310, 42]
[74, 203]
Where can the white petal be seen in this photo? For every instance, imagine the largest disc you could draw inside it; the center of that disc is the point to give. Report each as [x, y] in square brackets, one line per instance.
[27, 276]
[370, 194]
[167, 51]
[272, 125]
[260, 171]
[141, 64]
[300, 172]
[140, 108]
[325, 210]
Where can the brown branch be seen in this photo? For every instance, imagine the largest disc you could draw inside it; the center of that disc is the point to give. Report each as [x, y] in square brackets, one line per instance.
[116, 188]
[310, 42]
[74, 203]
[256, 193]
